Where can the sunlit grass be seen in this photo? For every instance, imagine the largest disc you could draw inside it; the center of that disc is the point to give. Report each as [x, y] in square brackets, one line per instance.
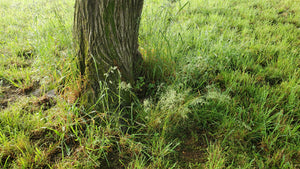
[222, 83]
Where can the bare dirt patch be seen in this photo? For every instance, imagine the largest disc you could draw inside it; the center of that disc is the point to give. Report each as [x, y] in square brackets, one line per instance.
[54, 146]
[8, 93]
[26, 53]
[18, 64]
[7, 158]
[193, 150]
[45, 102]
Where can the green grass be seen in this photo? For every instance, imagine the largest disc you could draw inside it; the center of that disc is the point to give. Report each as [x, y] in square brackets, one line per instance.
[222, 89]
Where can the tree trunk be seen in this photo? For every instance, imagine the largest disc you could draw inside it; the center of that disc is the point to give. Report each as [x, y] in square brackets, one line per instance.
[106, 33]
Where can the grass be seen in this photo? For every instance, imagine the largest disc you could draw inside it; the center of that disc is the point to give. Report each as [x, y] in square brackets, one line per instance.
[222, 90]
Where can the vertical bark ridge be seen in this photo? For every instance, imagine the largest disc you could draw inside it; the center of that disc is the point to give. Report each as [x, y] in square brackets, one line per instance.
[106, 32]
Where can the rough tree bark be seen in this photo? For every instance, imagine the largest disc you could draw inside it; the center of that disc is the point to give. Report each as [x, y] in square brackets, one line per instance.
[106, 33]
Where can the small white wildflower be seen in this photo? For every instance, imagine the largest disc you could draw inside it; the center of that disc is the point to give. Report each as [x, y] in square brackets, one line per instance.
[147, 105]
[124, 86]
[197, 101]
[215, 94]
[106, 75]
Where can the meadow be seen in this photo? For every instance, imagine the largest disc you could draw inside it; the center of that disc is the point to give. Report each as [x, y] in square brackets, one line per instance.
[221, 90]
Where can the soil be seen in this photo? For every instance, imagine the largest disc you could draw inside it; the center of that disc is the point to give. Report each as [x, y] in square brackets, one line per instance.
[8, 94]
[193, 150]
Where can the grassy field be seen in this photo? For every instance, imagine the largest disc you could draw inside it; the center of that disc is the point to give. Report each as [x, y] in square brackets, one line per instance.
[222, 90]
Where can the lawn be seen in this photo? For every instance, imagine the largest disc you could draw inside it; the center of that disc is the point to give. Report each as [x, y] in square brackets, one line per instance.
[221, 90]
